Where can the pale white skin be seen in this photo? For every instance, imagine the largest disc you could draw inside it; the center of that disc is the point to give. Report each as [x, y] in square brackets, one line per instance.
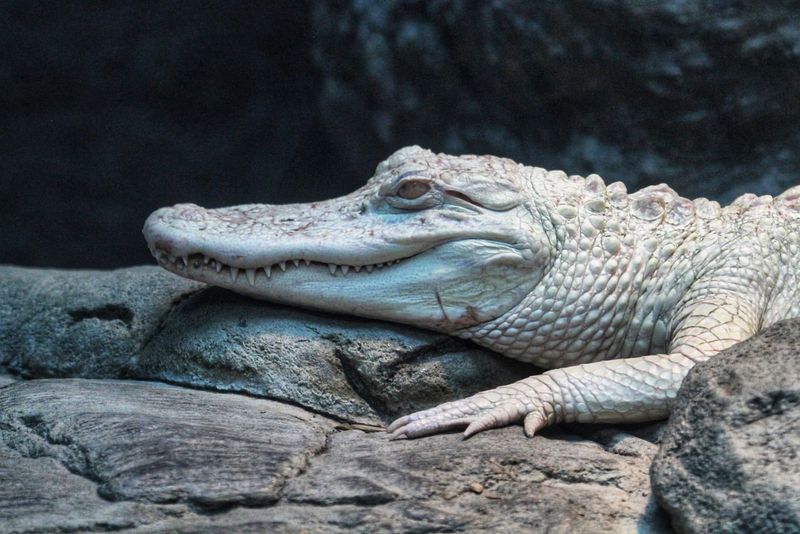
[619, 295]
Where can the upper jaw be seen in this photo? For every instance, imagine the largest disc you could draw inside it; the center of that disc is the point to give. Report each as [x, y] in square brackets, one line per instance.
[198, 243]
[258, 241]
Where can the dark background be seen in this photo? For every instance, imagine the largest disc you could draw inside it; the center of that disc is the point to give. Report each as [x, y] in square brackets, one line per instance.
[112, 109]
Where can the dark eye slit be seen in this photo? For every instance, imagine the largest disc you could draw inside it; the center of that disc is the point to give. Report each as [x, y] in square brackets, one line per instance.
[462, 196]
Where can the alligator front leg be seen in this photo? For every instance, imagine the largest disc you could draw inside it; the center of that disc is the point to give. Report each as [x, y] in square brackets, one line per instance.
[628, 390]
[613, 391]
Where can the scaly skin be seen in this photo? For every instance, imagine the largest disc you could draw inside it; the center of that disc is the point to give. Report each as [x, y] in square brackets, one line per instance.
[619, 295]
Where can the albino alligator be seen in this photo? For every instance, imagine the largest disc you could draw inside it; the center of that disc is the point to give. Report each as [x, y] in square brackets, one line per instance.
[624, 293]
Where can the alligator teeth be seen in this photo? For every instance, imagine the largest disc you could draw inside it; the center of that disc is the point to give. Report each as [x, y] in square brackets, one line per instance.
[182, 261]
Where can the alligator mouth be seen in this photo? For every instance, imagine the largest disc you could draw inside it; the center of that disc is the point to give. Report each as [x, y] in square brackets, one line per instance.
[195, 263]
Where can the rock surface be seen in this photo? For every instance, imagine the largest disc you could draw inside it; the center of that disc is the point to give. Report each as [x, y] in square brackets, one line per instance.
[497, 482]
[146, 323]
[730, 454]
[96, 455]
[644, 92]
[353, 369]
[81, 323]
[112, 454]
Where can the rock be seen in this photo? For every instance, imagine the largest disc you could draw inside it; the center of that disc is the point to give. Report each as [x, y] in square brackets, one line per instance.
[82, 454]
[146, 323]
[101, 455]
[729, 457]
[39, 494]
[162, 444]
[81, 323]
[557, 483]
[644, 92]
[354, 369]
[85, 445]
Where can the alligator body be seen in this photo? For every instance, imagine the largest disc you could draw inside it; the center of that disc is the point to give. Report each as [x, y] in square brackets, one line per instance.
[618, 294]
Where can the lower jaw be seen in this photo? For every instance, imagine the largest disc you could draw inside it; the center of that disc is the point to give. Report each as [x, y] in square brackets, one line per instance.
[375, 294]
[311, 285]
[427, 293]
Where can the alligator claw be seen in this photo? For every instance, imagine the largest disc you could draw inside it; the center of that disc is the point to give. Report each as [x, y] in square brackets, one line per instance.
[489, 409]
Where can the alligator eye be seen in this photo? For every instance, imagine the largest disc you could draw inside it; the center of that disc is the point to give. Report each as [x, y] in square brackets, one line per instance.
[413, 189]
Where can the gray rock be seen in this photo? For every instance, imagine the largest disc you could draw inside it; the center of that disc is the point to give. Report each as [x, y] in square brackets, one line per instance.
[39, 494]
[81, 323]
[157, 443]
[6, 379]
[354, 369]
[85, 454]
[729, 457]
[81, 455]
[498, 481]
[643, 92]
[146, 323]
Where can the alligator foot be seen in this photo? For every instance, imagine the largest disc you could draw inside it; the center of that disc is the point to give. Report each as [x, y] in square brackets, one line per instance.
[531, 400]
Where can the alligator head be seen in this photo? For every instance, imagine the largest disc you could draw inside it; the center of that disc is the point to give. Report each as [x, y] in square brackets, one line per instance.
[436, 241]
